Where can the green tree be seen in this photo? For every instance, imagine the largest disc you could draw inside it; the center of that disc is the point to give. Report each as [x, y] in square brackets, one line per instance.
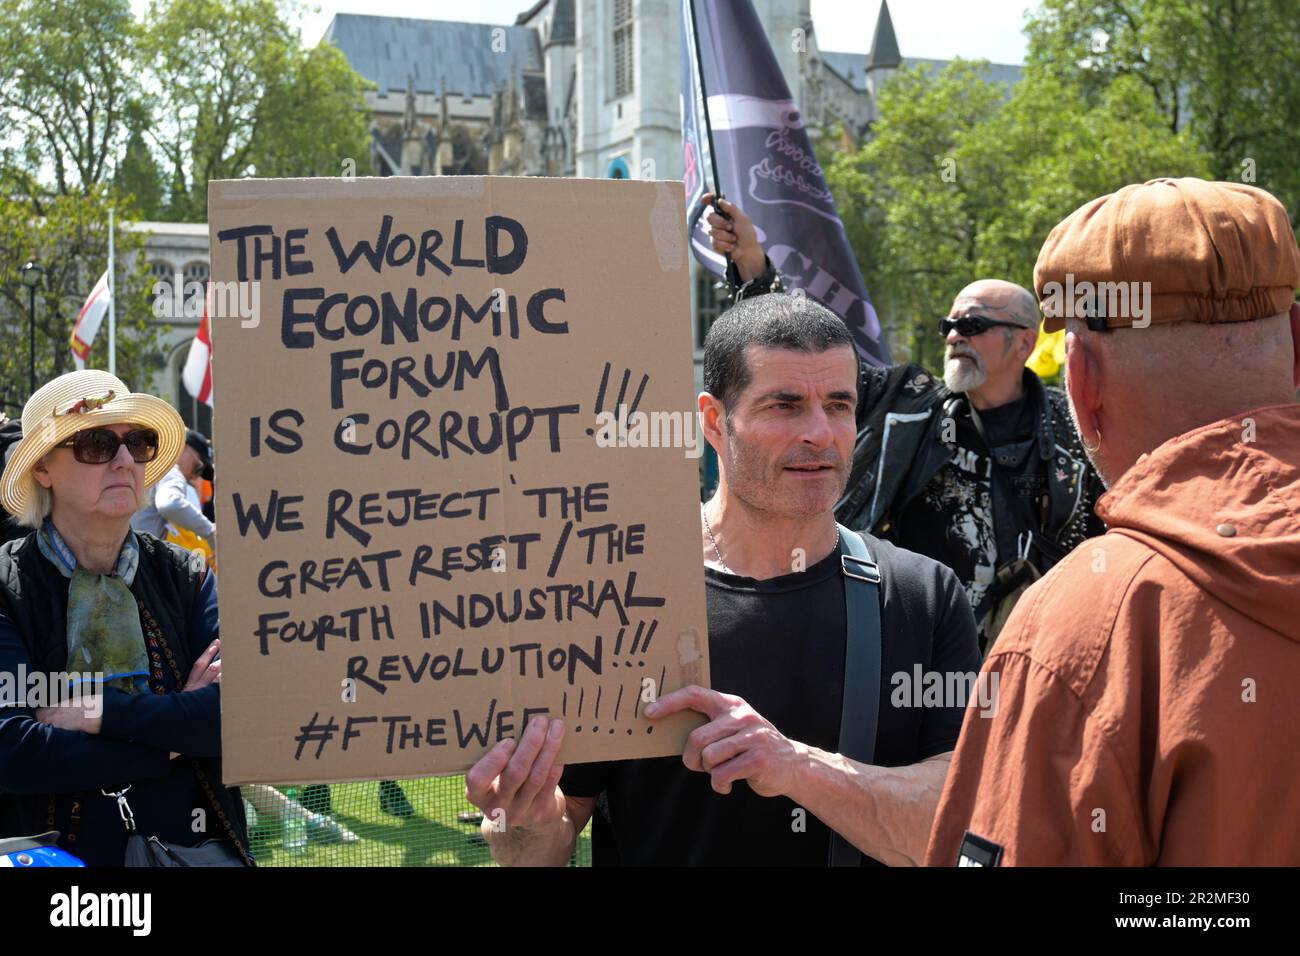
[1222, 70]
[98, 111]
[67, 85]
[1052, 151]
[319, 121]
[71, 242]
[68, 95]
[139, 177]
[238, 95]
[904, 198]
[959, 182]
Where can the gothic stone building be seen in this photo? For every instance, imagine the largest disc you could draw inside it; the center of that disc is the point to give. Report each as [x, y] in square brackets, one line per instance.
[587, 88]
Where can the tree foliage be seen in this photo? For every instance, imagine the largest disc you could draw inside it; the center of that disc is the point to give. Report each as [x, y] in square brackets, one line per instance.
[238, 95]
[71, 243]
[1221, 70]
[68, 84]
[960, 179]
[100, 110]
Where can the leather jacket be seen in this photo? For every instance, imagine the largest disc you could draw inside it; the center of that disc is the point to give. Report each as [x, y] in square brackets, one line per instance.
[900, 447]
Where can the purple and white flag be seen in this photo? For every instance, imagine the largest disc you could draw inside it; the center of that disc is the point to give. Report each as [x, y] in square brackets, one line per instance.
[765, 165]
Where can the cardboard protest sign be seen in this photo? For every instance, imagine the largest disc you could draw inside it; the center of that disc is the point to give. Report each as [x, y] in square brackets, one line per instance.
[428, 530]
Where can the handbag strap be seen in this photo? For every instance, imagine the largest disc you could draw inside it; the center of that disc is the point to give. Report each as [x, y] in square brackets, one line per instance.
[153, 630]
[860, 710]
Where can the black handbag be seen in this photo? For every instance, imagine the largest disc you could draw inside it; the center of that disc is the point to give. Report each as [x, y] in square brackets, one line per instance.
[155, 852]
[151, 851]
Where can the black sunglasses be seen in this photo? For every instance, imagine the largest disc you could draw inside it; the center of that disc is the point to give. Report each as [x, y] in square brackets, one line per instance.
[969, 326]
[95, 446]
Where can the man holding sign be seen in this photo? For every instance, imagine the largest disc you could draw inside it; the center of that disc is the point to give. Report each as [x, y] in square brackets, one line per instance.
[762, 781]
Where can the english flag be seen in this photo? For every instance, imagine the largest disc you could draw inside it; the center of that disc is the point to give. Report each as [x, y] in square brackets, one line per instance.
[88, 321]
[197, 374]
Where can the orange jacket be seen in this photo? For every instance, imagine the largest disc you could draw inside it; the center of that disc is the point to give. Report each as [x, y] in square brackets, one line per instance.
[1148, 687]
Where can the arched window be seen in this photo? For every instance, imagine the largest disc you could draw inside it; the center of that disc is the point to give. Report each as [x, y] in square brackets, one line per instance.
[196, 272]
[160, 270]
[624, 71]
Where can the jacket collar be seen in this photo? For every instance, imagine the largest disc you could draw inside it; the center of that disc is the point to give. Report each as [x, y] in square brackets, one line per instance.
[1037, 393]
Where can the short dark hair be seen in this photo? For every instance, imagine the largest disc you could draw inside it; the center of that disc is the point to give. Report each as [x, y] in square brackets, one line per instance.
[775, 320]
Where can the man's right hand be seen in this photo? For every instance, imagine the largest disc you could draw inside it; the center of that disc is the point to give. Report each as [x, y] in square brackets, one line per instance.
[517, 788]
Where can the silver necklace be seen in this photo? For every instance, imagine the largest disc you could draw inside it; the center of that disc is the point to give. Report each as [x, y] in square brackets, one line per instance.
[712, 540]
[718, 551]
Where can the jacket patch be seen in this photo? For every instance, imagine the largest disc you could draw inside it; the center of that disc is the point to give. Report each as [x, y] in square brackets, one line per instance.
[919, 383]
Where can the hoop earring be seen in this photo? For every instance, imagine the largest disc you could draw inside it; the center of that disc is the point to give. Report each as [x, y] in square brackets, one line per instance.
[1091, 449]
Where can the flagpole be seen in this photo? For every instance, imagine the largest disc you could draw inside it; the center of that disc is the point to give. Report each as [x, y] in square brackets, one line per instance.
[112, 312]
[704, 99]
[708, 125]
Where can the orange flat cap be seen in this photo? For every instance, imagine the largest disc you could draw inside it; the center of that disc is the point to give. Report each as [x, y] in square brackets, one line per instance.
[1169, 250]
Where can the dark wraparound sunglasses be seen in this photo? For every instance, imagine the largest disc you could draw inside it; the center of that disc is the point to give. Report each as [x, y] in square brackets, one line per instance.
[96, 446]
[970, 326]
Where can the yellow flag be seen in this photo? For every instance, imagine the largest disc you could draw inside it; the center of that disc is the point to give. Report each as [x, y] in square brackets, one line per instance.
[192, 542]
[1048, 355]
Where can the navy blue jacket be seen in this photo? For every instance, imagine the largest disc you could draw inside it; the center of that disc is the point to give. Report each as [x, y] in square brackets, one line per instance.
[52, 778]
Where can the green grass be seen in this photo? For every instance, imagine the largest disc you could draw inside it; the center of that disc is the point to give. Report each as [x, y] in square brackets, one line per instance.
[432, 837]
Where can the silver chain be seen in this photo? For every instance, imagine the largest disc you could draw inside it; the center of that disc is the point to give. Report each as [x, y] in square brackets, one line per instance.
[712, 540]
[704, 513]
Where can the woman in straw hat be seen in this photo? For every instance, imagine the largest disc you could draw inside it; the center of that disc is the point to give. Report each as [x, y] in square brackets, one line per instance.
[85, 602]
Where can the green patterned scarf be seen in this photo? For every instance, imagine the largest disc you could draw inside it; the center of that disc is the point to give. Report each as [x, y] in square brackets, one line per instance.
[104, 633]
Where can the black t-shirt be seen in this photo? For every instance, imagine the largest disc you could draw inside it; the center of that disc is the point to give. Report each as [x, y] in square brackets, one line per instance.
[1013, 421]
[953, 518]
[779, 644]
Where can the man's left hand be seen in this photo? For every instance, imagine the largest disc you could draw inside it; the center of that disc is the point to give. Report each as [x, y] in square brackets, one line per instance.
[737, 743]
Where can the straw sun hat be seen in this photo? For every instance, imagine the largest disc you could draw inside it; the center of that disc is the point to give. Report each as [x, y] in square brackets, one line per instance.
[77, 401]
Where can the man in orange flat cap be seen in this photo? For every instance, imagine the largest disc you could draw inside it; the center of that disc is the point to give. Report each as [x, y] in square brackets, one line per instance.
[1147, 710]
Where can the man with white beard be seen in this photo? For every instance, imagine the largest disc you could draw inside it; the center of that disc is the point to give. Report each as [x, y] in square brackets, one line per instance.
[983, 471]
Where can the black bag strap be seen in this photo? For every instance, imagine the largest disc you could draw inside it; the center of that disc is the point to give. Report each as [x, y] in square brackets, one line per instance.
[860, 710]
[153, 631]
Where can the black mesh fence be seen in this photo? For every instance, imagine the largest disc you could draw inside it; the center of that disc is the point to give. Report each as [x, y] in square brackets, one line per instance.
[425, 822]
